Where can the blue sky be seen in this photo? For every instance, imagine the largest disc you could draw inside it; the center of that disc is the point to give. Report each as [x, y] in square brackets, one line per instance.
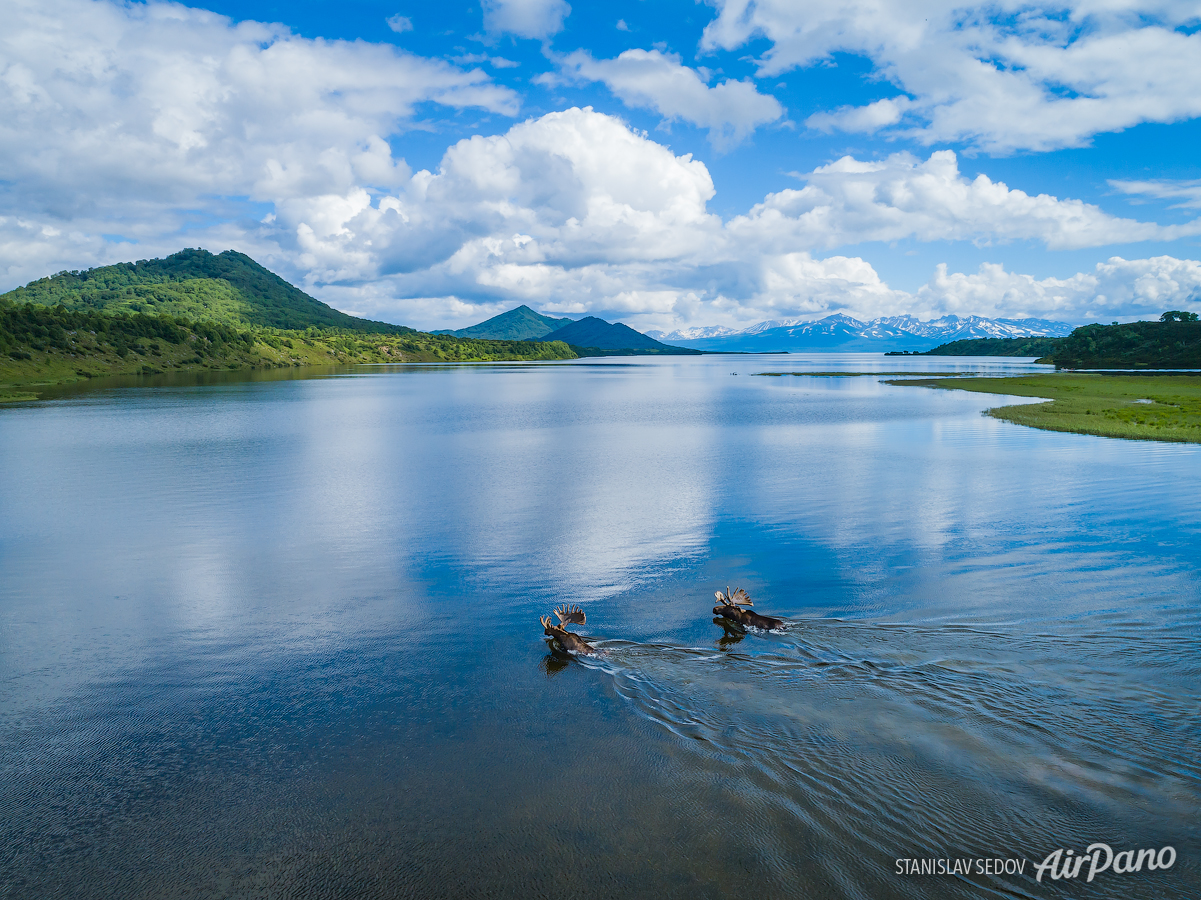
[667, 164]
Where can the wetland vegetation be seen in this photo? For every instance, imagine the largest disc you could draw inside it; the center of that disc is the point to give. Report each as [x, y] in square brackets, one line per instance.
[837, 374]
[1137, 407]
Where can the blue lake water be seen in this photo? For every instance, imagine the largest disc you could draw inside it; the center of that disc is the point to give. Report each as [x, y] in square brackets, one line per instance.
[278, 637]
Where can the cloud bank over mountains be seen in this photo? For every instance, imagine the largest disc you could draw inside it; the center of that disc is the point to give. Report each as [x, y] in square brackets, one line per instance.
[128, 131]
[576, 207]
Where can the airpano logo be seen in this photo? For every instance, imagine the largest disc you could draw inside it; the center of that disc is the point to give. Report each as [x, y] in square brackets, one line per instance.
[1100, 858]
[1059, 864]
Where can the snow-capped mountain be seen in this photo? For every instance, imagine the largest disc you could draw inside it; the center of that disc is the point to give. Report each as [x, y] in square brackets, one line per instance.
[841, 332]
[696, 334]
[953, 328]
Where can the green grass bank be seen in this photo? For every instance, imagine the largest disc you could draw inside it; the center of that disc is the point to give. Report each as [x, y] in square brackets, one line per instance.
[1135, 407]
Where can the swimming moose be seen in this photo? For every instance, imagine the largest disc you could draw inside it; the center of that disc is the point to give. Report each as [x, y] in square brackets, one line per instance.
[731, 610]
[567, 641]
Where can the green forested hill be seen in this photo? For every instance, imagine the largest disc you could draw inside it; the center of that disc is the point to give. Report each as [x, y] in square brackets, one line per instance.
[230, 288]
[520, 324]
[1025, 346]
[1174, 342]
[50, 344]
[195, 310]
[597, 334]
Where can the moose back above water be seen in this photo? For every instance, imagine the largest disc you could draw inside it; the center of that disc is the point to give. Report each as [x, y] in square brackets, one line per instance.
[731, 609]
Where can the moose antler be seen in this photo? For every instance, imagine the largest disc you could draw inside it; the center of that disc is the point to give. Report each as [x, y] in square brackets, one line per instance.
[569, 615]
[737, 597]
[545, 620]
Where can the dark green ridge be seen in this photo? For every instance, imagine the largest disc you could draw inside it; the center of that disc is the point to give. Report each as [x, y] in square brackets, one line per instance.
[666, 350]
[601, 335]
[229, 287]
[520, 324]
[1025, 346]
[1174, 342]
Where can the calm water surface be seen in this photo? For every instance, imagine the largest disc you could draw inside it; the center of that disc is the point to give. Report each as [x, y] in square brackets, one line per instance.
[279, 638]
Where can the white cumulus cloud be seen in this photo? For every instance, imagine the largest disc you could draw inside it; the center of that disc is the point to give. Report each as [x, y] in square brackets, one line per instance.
[158, 100]
[851, 201]
[793, 285]
[649, 79]
[1003, 76]
[575, 212]
[526, 210]
[136, 119]
[129, 131]
[525, 18]
[1188, 192]
[865, 119]
[1116, 287]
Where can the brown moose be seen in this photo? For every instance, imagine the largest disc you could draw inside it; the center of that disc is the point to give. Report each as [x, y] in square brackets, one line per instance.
[567, 641]
[731, 610]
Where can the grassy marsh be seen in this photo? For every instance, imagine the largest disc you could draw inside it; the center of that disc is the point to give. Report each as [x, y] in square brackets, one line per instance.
[836, 374]
[1138, 407]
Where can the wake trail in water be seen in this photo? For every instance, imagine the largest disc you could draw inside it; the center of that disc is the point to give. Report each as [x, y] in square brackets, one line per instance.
[919, 740]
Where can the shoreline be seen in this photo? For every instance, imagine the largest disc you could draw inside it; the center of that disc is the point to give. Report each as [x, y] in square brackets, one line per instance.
[27, 378]
[1135, 407]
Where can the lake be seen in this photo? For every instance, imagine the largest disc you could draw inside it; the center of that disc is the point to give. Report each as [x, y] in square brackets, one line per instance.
[278, 636]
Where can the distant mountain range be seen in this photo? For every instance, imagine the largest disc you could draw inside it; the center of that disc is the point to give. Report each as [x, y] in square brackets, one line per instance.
[590, 333]
[833, 333]
[843, 333]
